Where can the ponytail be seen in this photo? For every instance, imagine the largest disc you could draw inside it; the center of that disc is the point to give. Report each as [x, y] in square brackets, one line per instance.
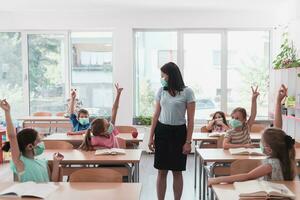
[6, 147]
[86, 144]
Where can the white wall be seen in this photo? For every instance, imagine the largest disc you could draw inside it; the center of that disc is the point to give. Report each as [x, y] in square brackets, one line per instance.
[123, 22]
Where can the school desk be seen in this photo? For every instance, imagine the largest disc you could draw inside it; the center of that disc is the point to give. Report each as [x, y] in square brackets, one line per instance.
[204, 137]
[89, 190]
[131, 159]
[221, 156]
[227, 191]
[2, 132]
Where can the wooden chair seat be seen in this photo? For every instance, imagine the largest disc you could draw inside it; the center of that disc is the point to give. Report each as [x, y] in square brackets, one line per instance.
[96, 175]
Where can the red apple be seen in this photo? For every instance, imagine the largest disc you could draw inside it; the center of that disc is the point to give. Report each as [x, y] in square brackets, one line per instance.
[134, 134]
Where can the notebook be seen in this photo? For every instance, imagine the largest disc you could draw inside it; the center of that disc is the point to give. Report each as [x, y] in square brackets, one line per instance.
[112, 151]
[216, 134]
[255, 189]
[246, 151]
[30, 189]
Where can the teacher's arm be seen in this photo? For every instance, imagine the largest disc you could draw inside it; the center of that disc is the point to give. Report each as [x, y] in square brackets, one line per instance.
[153, 125]
[187, 147]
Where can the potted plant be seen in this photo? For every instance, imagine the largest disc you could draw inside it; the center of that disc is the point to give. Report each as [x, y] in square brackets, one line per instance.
[287, 58]
[143, 120]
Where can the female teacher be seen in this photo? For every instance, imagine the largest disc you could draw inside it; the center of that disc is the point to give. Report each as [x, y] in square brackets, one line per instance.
[170, 138]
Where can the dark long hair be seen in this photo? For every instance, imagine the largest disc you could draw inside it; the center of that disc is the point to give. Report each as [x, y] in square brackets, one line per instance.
[175, 81]
[24, 137]
[282, 146]
[223, 116]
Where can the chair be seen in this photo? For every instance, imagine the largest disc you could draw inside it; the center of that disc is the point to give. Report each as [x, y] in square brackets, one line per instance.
[257, 128]
[206, 144]
[126, 129]
[58, 145]
[45, 114]
[96, 175]
[60, 114]
[243, 166]
[204, 129]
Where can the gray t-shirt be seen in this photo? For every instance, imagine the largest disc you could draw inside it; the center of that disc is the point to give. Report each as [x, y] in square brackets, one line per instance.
[276, 174]
[173, 109]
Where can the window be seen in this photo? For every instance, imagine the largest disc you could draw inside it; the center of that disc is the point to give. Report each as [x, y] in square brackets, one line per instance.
[46, 63]
[92, 70]
[153, 49]
[11, 72]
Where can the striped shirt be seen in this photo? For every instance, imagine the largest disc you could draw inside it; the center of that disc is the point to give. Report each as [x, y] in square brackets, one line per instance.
[239, 137]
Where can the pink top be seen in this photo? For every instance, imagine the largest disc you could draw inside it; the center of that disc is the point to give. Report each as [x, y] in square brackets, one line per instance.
[104, 142]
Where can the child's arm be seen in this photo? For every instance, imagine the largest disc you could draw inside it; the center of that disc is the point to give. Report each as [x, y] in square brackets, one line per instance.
[258, 172]
[228, 145]
[57, 157]
[72, 101]
[116, 104]
[86, 144]
[76, 132]
[14, 146]
[210, 125]
[282, 93]
[255, 94]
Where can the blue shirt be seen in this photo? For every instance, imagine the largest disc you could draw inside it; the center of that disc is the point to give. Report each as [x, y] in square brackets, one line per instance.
[173, 109]
[76, 125]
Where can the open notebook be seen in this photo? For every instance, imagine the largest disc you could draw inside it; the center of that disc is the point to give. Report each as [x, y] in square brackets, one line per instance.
[216, 134]
[30, 189]
[255, 189]
[246, 151]
[112, 151]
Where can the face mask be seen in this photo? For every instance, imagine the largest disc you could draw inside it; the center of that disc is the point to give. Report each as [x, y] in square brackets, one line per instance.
[39, 149]
[84, 121]
[110, 128]
[163, 82]
[234, 123]
[262, 148]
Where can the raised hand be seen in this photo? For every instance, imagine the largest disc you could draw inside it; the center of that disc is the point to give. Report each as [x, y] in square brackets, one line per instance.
[73, 94]
[5, 105]
[282, 93]
[255, 93]
[57, 157]
[118, 88]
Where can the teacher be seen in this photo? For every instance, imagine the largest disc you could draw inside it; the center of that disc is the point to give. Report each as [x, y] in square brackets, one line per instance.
[170, 138]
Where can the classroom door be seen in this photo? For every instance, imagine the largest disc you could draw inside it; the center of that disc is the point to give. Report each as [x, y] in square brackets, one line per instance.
[202, 65]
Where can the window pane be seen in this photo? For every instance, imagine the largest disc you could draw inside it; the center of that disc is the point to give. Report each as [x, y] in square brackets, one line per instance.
[46, 72]
[248, 65]
[202, 59]
[92, 70]
[152, 50]
[11, 72]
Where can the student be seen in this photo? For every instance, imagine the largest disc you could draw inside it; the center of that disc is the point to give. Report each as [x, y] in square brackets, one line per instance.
[280, 163]
[24, 147]
[80, 123]
[218, 123]
[239, 135]
[102, 133]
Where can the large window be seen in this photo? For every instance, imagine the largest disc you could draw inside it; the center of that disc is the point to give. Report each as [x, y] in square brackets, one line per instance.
[220, 66]
[11, 72]
[46, 72]
[153, 49]
[92, 70]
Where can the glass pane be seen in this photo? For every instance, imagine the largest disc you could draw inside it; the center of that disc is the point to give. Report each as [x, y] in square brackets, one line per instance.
[152, 50]
[11, 72]
[248, 64]
[46, 72]
[202, 59]
[92, 70]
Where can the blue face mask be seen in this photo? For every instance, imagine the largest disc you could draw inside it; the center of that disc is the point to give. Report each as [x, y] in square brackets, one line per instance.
[83, 121]
[39, 149]
[110, 128]
[163, 82]
[234, 123]
[262, 148]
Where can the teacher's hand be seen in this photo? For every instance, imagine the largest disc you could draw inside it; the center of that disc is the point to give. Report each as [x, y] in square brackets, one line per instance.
[151, 144]
[187, 148]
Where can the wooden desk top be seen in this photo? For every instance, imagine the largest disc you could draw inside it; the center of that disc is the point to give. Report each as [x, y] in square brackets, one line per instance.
[78, 138]
[221, 155]
[88, 157]
[227, 191]
[43, 118]
[200, 136]
[83, 190]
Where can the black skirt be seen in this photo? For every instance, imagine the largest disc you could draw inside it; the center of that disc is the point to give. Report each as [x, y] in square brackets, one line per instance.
[169, 141]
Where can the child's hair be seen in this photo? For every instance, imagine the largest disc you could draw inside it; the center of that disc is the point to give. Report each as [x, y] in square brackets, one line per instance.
[82, 111]
[24, 137]
[282, 146]
[223, 116]
[97, 127]
[241, 110]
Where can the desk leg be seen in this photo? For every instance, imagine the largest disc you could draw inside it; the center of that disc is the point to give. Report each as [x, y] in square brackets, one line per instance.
[204, 177]
[200, 175]
[195, 173]
[136, 173]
